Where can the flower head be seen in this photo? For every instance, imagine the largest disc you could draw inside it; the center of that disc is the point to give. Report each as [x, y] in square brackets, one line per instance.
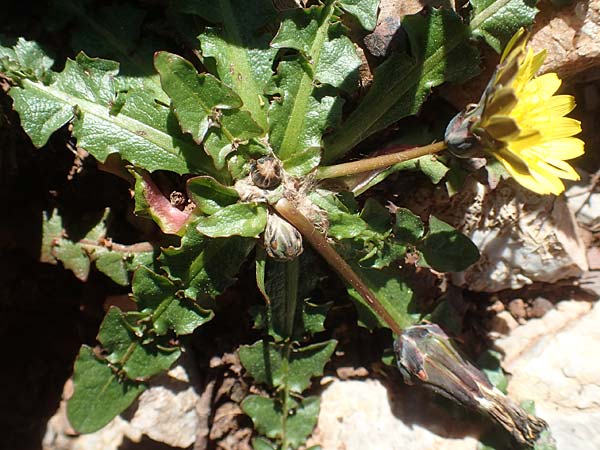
[521, 122]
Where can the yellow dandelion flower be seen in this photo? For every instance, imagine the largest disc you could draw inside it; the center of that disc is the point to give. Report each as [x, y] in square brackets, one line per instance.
[521, 122]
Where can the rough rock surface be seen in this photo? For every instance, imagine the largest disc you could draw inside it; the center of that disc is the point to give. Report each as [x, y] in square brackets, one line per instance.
[166, 413]
[522, 237]
[570, 35]
[583, 201]
[555, 362]
[359, 415]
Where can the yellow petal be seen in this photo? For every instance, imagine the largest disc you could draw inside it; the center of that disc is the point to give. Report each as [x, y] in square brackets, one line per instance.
[538, 60]
[517, 168]
[561, 149]
[561, 169]
[527, 138]
[549, 109]
[517, 43]
[546, 178]
[559, 105]
[556, 128]
[536, 179]
[541, 88]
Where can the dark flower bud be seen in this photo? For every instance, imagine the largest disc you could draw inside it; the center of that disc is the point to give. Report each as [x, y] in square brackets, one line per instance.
[426, 355]
[459, 137]
[266, 172]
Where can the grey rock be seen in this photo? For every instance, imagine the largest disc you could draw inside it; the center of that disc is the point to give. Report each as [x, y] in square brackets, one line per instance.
[555, 361]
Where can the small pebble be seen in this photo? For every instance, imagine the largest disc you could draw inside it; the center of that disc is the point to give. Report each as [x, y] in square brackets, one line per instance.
[518, 308]
[540, 307]
[496, 307]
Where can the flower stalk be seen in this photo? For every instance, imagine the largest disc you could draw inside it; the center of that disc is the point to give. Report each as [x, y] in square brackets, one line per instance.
[377, 162]
[290, 213]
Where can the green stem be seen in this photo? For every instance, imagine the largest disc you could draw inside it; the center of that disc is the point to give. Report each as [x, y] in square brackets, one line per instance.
[378, 162]
[290, 213]
[292, 271]
[286, 395]
[140, 247]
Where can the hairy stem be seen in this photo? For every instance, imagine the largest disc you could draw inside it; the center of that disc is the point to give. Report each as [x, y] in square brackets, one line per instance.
[290, 213]
[378, 162]
[140, 247]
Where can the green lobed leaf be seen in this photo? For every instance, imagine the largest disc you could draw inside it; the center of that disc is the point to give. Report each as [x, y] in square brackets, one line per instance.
[433, 168]
[300, 425]
[268, 363]
[243, 57]
[343, 223]
[393, 293]
[370, 241]
[259, 443]
[239, 219]
[497, 20]
[440, 52]
[376, 247]
[97, 30]
[365, 11]
[298, 119]
[330, 53]
[99, 395]
[25, 60]
[170, 310]
[338, 65]
[446, 249]
[200, 102]
[408, 227]
[266, 415]
[73, 257]
[112, 265]
[300, 29]
[303, 111]
[209, 195]
[114, 260]
[139, 360]
[376, 216]
[200, 265]
[313, 317]
[141, 131]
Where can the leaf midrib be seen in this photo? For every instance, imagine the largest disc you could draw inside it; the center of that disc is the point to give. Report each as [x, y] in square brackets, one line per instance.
[135, 127]
[248, 90]
[298, 115]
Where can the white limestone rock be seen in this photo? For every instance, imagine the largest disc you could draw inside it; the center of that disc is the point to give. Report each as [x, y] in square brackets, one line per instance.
[555, 361]
[522, 237]
[365, 414]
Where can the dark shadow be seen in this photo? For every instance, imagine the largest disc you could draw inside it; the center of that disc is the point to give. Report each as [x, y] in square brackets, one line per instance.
[146, 444]
[416, 406]
[45, 315]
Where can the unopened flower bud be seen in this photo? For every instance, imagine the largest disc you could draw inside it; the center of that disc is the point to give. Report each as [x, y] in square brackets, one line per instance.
[282, 240]
[426, 355]
[266, 172]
